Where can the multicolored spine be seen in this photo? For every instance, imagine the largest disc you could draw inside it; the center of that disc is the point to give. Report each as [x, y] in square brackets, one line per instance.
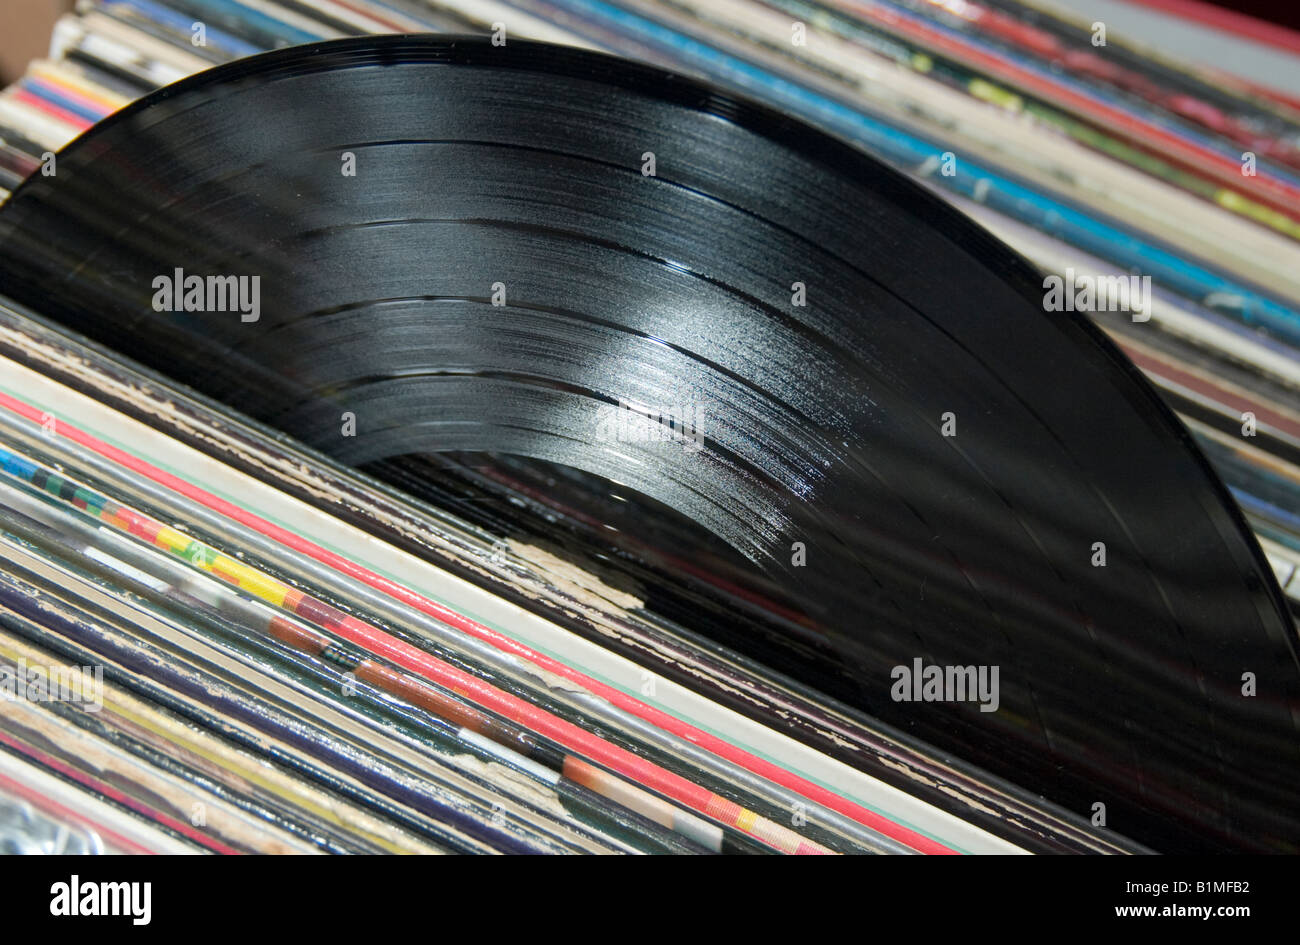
[271, 590]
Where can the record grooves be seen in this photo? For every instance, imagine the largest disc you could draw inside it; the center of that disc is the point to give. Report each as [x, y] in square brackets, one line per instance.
[632, 307]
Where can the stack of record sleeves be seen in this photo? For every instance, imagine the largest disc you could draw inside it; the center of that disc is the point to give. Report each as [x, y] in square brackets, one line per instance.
[650, 426]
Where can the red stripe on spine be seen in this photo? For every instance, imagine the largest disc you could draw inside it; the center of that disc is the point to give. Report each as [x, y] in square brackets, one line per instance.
[451, 618]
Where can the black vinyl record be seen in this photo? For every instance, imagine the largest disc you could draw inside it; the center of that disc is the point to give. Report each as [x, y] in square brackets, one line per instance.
[590, 277]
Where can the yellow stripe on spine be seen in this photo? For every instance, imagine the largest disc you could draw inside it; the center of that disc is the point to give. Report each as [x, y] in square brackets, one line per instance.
[253, 581]
[172, 540]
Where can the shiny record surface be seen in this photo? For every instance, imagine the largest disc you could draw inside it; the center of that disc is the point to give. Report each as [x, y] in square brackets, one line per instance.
[919, 462]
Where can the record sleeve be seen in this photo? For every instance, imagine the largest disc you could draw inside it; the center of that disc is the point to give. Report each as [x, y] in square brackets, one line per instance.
[660, 297]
